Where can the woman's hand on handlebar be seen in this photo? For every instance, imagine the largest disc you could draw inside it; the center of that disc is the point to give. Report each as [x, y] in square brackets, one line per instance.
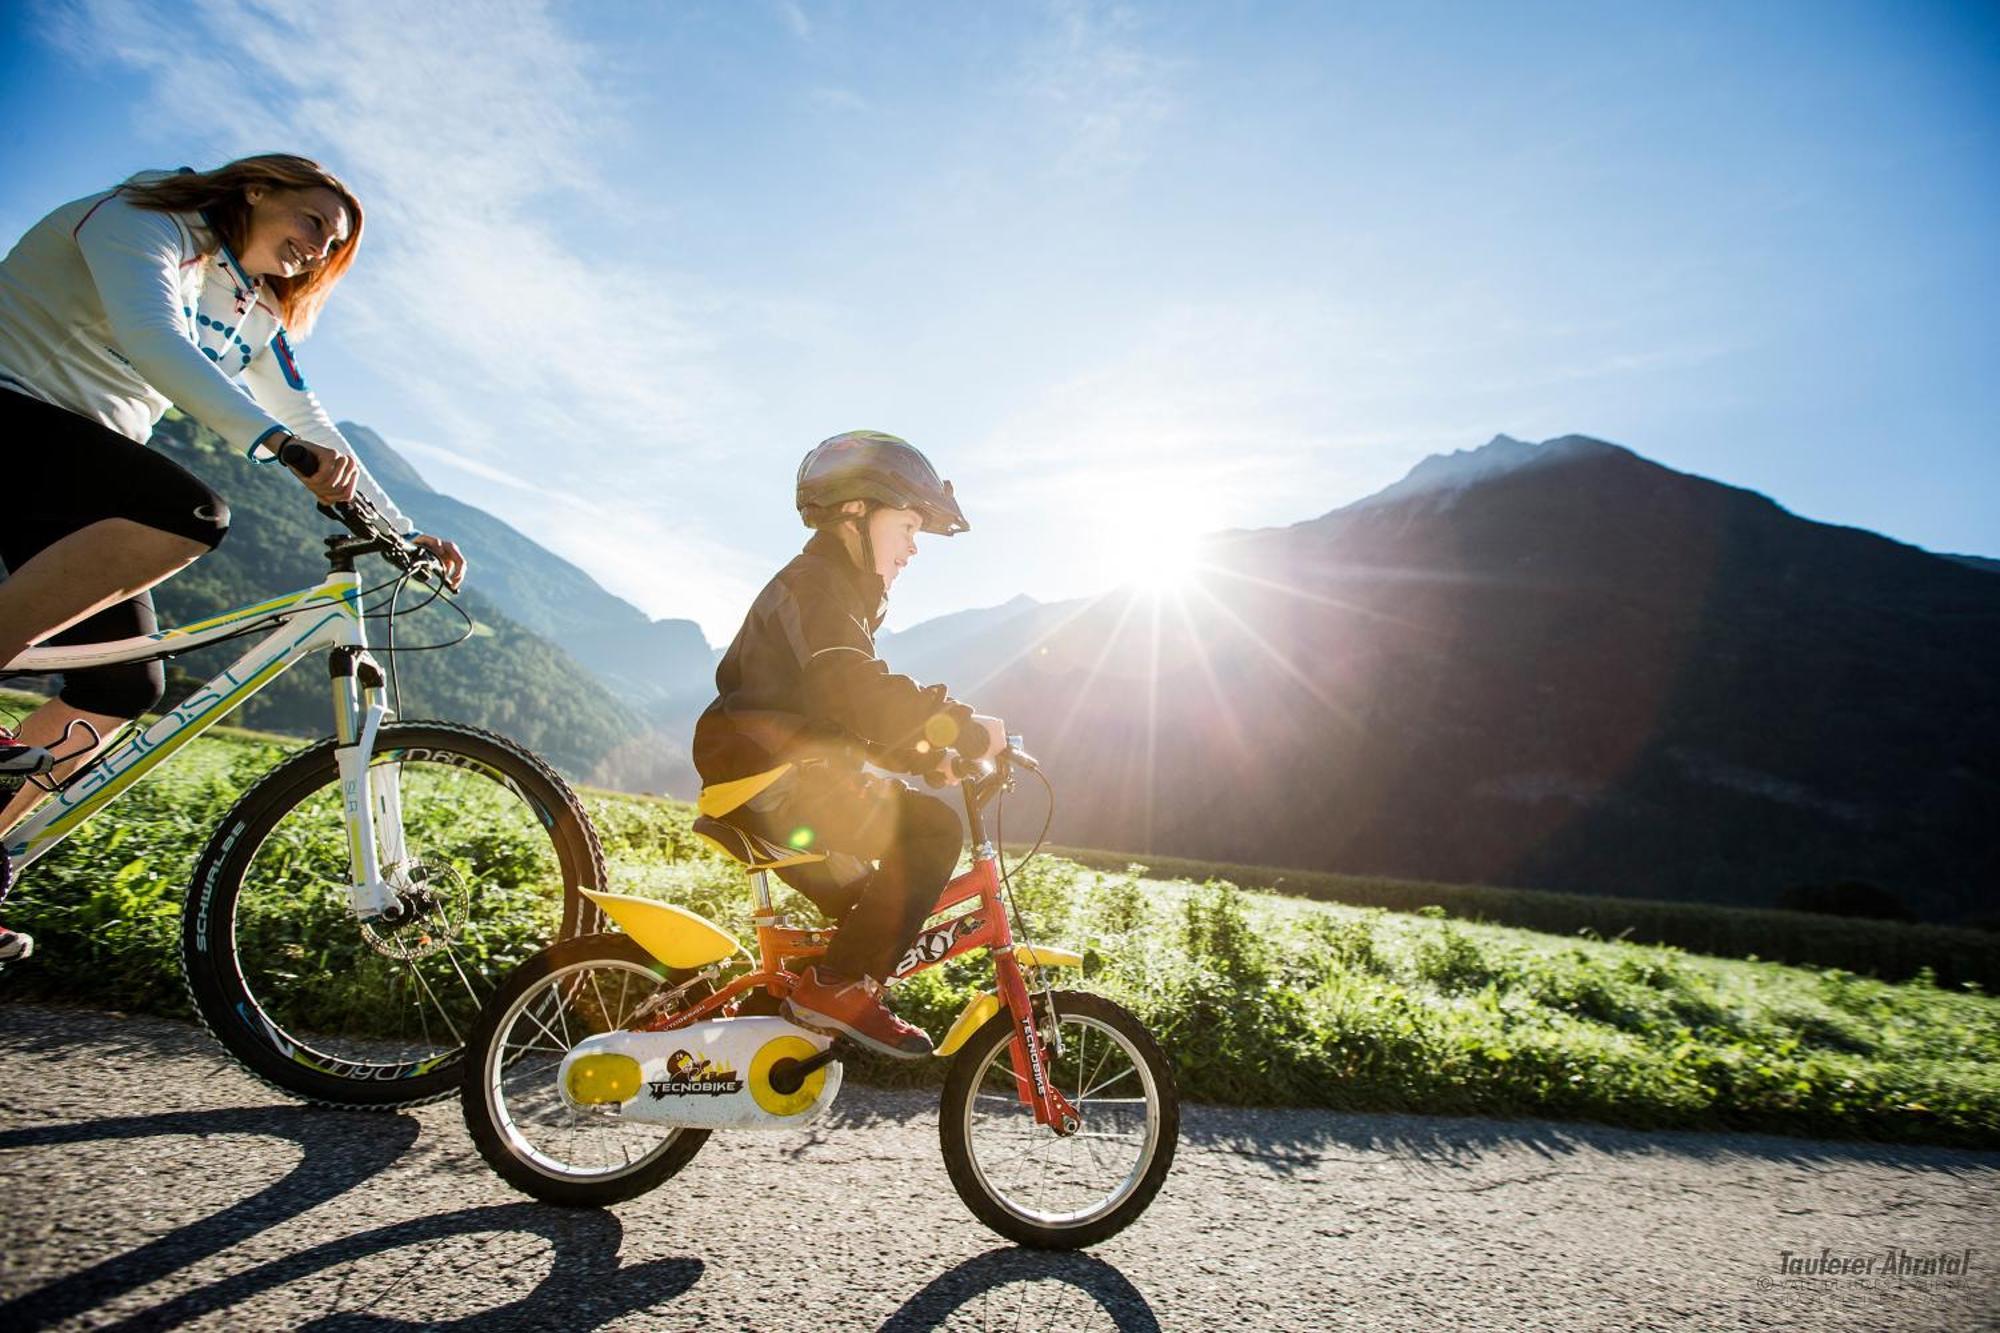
[331, 476]
[449, 558]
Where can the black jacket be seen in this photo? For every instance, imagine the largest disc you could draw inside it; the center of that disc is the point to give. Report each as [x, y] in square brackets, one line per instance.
[801, 680]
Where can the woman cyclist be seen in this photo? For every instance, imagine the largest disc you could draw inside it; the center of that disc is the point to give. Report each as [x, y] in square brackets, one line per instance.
[173, 288]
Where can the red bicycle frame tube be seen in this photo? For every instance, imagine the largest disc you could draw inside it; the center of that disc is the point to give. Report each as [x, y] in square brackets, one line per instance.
[983, 927]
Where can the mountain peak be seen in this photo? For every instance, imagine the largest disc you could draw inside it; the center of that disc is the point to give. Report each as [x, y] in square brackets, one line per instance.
[396, 473]
[1446, 475]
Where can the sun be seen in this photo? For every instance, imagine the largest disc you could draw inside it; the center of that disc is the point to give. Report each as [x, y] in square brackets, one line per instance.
[1157, 552]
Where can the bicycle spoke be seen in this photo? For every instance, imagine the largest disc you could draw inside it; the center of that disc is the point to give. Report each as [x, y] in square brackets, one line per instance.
[456, 1038]
[610, 1020]
[451, 956]
[1109, 1051]
[1039, 1146]
[560, 1043]
[562, 1021]
[1111, 1082]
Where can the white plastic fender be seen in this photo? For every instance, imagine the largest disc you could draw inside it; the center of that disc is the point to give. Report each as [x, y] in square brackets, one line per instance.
[713, 1075]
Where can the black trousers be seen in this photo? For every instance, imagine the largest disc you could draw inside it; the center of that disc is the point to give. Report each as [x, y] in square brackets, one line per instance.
[913, 839]
[72, 472]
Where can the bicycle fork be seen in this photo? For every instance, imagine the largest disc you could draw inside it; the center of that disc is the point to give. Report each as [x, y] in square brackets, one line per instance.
[1029, 1053]
[371, 796]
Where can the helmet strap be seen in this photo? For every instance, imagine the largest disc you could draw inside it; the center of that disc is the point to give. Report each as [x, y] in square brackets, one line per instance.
[863, 538]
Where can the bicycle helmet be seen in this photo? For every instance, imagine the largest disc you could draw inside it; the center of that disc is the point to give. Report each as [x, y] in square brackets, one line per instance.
[880, 469]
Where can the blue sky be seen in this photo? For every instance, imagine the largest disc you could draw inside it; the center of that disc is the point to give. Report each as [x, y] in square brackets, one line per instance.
[1125, 271]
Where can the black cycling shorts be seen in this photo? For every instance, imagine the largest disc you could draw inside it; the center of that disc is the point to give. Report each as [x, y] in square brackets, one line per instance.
[68, 472]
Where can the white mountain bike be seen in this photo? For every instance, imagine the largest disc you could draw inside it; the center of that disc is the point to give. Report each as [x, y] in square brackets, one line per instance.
[352, 912]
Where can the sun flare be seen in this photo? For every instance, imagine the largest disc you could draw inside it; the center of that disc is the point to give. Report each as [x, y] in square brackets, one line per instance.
[1154, 552]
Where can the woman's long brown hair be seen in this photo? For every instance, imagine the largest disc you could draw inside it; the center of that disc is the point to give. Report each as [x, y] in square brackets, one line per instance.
[220, 196]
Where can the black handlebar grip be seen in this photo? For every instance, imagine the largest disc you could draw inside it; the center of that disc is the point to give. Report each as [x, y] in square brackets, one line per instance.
[298, 458]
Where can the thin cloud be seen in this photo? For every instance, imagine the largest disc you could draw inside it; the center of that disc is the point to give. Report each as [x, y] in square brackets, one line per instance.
[468, 132]
[623, 545]
[796, 19]
[1207, 398]
[633, 555]
[452, 460]
[1103, 90]
[839, 99]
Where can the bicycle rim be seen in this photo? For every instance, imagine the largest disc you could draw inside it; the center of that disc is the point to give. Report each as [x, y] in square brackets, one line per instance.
[1054, 1182]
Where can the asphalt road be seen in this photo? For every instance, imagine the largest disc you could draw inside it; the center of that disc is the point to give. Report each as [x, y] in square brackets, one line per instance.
[146, 1183]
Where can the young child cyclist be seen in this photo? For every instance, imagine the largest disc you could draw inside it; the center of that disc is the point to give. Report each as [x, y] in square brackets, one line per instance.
[801, 685]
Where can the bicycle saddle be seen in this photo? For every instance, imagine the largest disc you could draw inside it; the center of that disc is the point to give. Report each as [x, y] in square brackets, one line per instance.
[749, 849]
[733, 840]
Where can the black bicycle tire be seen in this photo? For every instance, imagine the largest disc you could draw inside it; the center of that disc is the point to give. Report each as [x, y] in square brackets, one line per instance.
[961, 1085]
[208, 961]
[480, 1120]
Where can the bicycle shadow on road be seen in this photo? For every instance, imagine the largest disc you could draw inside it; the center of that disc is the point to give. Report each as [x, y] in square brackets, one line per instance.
[339, 1150]
[1295, 1141]
[586, 1286]
[1090, 1282]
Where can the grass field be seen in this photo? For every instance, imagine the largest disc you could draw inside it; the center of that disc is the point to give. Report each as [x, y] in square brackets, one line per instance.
[1891, 950]
[1261, 998]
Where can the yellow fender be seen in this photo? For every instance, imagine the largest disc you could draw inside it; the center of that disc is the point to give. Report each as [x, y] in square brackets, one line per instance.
[983, 1006]
[970, 1019]
[674, 935]
[1044, 955]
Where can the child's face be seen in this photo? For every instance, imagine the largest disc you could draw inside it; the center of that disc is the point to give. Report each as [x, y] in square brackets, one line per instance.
[893, 534]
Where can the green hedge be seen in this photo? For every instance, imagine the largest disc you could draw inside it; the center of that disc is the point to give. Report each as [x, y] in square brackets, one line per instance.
[1889, 950]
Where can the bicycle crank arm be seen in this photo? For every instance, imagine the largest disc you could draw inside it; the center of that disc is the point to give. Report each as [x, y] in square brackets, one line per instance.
[789, 1075]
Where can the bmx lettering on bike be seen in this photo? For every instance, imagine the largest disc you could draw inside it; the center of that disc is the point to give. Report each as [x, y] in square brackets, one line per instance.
[1059, 1116]
[329, 938]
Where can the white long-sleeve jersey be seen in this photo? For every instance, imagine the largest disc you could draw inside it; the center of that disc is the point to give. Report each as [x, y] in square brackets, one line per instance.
[114, 312]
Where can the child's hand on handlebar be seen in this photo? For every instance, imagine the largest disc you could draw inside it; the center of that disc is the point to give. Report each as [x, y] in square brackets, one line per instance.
[448, 556]
[332, 475]
[996, 735]
[939, 769]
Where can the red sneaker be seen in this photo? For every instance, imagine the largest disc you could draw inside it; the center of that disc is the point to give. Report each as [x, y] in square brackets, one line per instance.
[854, 1009]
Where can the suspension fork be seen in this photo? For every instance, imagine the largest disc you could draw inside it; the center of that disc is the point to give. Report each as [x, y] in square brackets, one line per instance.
[371, 796]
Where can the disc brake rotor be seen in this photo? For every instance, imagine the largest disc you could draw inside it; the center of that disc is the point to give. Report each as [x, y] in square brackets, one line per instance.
[435, 905]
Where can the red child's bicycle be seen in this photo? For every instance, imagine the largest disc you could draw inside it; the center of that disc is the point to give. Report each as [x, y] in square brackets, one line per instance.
[603, 1063]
